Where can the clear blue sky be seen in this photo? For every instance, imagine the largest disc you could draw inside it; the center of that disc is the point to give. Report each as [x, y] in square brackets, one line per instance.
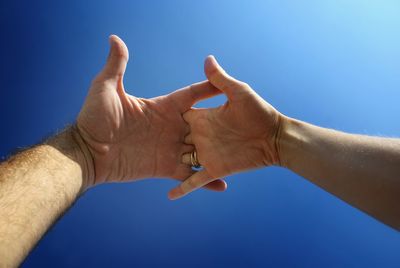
[332, 63]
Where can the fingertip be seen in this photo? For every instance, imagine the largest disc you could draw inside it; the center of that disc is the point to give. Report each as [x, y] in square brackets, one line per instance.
[118, 46]
[225, 186]
[171, 196]
[216, 75]
[189, 115]
[210, 65]
[222, 186]
[174, 194]
[112, 37]
[117, 60]
[210, 58]
[113, 40]
[186, 115]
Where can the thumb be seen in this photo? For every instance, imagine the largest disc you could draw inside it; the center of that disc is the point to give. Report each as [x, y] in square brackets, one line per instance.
[117, 59]
[221, 80]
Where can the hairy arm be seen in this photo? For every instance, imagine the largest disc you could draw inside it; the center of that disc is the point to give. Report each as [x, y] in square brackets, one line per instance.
[118, 137]
[36, 187]
[363, 171]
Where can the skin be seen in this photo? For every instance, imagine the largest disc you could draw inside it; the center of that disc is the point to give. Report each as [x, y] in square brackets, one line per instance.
[133, 138]
[117, 138]
[247, 133]
[36, 187]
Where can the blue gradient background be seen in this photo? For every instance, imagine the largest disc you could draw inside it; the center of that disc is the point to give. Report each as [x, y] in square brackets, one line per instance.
[331, 63]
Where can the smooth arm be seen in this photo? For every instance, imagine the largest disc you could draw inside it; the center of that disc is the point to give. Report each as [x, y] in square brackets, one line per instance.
[361, 170]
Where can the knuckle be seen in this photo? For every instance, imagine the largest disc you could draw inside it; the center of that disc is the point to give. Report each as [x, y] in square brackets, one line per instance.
[244, 85]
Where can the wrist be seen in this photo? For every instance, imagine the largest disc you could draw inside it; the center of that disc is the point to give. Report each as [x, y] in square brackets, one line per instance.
[71, 144]
[84, 158]
[290, 139]
[271, 143]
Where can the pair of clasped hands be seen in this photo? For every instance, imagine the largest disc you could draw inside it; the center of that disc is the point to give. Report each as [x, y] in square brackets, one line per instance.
[130, 138]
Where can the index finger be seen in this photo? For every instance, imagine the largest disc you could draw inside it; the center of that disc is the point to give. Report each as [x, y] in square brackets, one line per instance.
[186, 97]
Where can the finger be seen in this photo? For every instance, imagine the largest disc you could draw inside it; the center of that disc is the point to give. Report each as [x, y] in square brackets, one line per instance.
[115, 66]
[220, 79]
[186, 171]
[188, 139]
[218, 186]
[186, 159]
[186, 97]
[193, 113]
[197, 180]
[188, 148]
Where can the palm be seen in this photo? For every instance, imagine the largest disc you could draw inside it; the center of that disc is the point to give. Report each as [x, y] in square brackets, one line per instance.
[110, 123]
[237, 136]
[228, 142]
[132, 138]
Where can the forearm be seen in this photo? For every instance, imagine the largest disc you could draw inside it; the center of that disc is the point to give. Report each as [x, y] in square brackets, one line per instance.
[363, 171]
[36, 187]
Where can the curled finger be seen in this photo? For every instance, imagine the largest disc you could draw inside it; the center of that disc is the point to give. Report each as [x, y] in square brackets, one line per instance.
[197, 180]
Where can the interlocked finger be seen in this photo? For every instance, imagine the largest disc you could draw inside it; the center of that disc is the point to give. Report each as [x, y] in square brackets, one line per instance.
[186, 159]
[183, 171]
[186, 97]
[197, 180]
[188, 139]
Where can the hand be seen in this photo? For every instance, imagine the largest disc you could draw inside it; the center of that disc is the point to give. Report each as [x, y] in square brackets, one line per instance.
[131, 138]
[239, 135]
